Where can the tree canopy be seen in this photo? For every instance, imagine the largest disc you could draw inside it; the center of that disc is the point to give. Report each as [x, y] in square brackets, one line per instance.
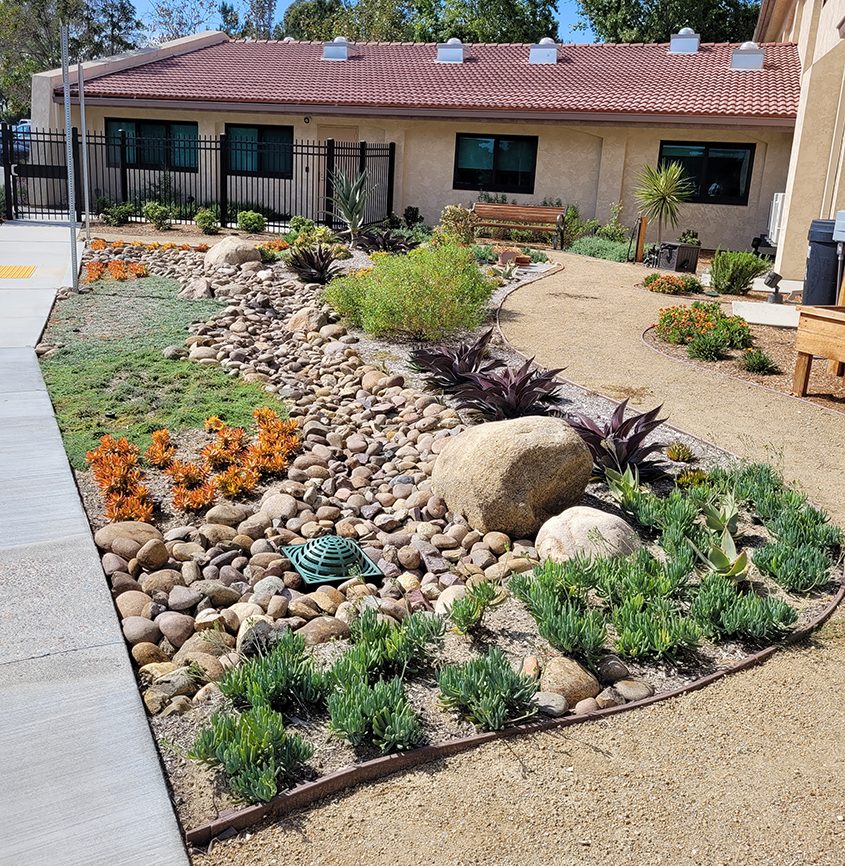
[657, 20]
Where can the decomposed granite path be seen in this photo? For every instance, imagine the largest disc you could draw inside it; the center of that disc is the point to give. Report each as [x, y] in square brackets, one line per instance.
[589, 318]
[80, 779]
[747, 772]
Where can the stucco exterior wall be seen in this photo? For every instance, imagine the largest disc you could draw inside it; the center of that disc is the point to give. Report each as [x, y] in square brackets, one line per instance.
[816, 181]
[591, 165]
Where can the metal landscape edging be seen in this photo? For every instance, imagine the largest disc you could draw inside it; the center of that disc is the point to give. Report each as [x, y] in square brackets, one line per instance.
[378, 768]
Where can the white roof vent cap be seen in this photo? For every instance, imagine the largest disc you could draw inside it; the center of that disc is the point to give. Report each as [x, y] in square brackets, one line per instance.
[749, 55]
[288, 39]
[544, 52]
[451, 51]
[337, 49]
[685, 41]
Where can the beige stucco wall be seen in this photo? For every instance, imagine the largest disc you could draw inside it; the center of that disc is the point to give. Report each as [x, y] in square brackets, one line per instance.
[591, 165]
[816, 180]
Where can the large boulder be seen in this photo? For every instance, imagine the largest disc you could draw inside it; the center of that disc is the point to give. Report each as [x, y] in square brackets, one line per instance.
[230, 251]
[584, 531]
[133, 530]
[512, 476]
[564, 676]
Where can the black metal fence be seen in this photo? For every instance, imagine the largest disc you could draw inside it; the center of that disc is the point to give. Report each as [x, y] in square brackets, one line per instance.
[277, 179]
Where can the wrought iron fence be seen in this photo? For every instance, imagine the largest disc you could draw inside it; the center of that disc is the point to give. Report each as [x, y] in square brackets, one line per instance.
[276, 179]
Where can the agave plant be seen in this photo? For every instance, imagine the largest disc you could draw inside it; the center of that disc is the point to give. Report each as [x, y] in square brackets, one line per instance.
[385, 241]
[507, 393]
[313, 264]
[620, 442]
[350, 201]
[447, 367]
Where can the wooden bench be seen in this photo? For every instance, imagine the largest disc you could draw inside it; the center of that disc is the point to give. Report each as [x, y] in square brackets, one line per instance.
[531, 218]
[821, 331]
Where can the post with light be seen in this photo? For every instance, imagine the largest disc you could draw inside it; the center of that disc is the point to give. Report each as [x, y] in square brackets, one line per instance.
[71, 190]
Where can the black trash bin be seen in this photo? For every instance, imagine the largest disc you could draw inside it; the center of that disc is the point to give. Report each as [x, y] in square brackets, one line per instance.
[822, 264]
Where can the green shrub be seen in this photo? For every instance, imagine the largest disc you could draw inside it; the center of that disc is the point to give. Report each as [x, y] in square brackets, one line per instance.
[574, 227]
[723, 611]
[732, 272]
[118, 214]
[467, 613]
[758, 361]
[251, 222]
[689, 236]
[600, 248]
[457, 226]
[300, 224]
[672, 284]
[206, 221]
[710, 346]
[160, 215]
[614, 230]
[797, 568]
[487, 691]
[680, 325]
[535, 255]
[257, 755]
[484, 254]
[283, 678]
[426, 295]
[619, 578]
[378, 714]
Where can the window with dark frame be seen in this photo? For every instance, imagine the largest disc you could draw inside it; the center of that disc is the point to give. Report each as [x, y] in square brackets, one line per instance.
[161, 144]
[720, 172]
[495, 163]
[260, 150]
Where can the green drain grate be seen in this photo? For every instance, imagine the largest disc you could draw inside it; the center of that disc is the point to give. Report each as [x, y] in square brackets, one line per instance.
[330, 559]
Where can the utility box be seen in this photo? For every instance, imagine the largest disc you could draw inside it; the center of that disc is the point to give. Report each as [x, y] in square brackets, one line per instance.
[682, 258]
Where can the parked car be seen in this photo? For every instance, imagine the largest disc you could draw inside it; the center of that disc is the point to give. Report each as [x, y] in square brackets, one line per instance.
[21, 134]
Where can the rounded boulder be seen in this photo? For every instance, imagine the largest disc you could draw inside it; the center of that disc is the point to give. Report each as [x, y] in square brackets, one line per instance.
[584, 531]
[231, 251]
[512, 476]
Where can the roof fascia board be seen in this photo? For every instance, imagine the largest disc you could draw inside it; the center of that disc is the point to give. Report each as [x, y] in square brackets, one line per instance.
[376, 111]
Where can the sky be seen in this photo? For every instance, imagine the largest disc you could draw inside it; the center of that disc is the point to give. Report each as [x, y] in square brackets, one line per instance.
[567, 13]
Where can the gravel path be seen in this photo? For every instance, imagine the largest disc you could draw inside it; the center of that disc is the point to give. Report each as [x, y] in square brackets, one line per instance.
[727, 775]
[589, 318]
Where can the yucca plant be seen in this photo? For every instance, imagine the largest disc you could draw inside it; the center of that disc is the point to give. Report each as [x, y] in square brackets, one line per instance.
[661, 192]
[257, 755]
[620, 442]
[313, 264]
[497, 394]
[385, 241]
[487, 691]
[350, 201]
[446, 367]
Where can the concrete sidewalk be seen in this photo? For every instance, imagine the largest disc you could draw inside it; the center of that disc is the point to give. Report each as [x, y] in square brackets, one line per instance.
[81, 779]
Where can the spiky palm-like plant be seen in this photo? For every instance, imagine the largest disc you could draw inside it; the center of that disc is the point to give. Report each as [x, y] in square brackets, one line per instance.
[661, 192]
[350, 201]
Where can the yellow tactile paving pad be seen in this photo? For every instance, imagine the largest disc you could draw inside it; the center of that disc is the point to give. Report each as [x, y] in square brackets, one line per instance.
[16, 272]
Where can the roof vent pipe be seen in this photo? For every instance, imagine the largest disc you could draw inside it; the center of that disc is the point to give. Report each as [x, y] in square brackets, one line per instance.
[685, 41]
[545, 51]
[451, 51]
[749, 55]
[337, 49]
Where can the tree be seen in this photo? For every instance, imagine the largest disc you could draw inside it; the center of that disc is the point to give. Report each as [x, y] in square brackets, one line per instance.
[259, 18]
[173, 19]
[657, 20]
[29, 40]
[310, 19]
[497, 20]
[230, 20]
[661, 192]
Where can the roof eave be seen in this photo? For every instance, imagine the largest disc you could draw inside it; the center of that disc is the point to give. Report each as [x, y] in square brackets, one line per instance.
[674, 119]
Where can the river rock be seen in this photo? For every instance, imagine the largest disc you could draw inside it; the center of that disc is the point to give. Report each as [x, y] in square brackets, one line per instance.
[134, 530]
[564, 676]
[323, 629]
[584, 531]
[511, 476]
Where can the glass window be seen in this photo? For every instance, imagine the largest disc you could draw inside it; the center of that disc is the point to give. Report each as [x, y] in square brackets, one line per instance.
[495, 163]
[261, 150]
[162, 144]
[721, 173]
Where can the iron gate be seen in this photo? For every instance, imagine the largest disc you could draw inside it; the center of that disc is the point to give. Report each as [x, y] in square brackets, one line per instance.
[203, 172]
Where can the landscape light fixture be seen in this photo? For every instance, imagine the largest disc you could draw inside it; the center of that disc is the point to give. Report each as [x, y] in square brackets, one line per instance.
[772, 280]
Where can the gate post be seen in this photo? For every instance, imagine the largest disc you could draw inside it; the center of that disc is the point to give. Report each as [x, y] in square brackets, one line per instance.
[124, 174]
[77, 173]
[362, 157]
[391, 170]
[329, 203]
[6, 136]
[223, 178]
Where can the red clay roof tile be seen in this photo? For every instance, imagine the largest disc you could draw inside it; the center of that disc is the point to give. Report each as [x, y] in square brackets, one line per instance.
[606, 78]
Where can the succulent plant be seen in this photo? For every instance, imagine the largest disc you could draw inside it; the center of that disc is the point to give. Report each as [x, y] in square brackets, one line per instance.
[385, 241]
[511, 393]
[680, 452]
[620, 442]
[467, 613]
[313, 264]
[447, 367]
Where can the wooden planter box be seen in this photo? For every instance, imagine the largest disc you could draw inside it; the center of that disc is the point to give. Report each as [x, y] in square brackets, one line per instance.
[821, 331]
